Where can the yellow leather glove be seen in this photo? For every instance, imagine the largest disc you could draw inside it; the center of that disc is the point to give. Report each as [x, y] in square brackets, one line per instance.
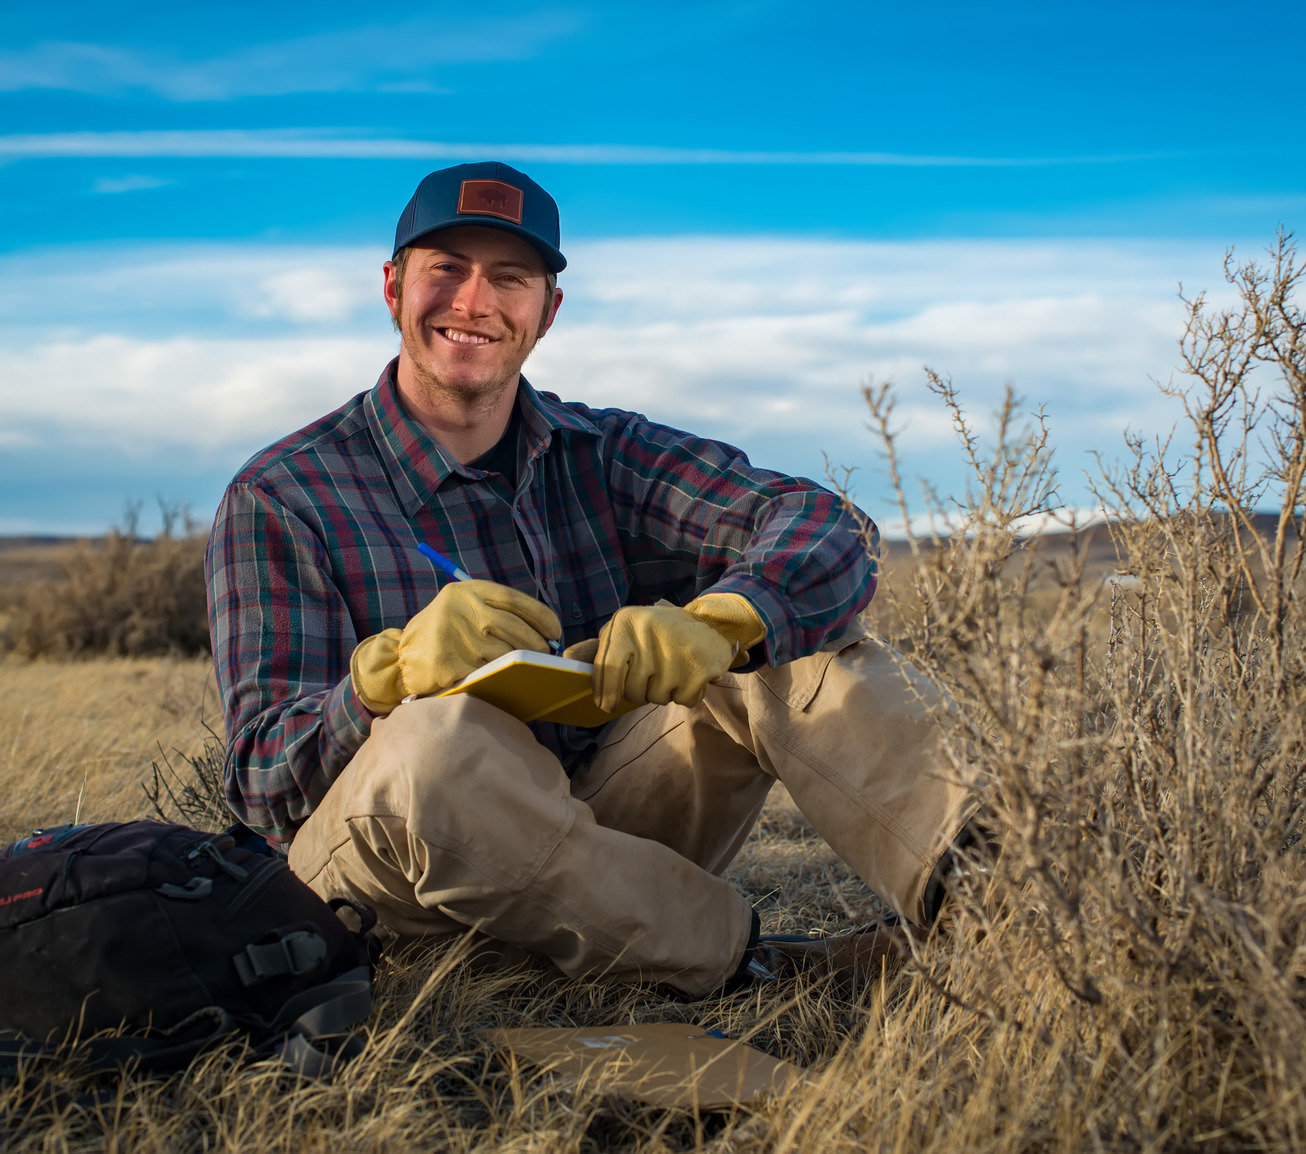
[468, 624]
[663, 653]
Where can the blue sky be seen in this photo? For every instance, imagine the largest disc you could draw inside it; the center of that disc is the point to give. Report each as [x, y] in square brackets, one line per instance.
[761, 210]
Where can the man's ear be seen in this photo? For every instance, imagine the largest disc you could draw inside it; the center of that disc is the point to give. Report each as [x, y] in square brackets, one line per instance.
[391, 289]
[547, 322]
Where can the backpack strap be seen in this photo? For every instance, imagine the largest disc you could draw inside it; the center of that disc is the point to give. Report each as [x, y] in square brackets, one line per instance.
[308, 1060]
[314, 1025]
[332, 1008]
[168, 1050]
[16, 1051]
[311, 1032]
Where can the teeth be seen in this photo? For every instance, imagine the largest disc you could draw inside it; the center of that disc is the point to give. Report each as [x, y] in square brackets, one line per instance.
[465, 338]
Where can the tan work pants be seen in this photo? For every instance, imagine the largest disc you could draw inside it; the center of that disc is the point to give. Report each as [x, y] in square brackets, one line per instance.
[452, 816]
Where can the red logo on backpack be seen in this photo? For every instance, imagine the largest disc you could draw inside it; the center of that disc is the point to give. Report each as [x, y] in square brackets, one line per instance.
[9, 899]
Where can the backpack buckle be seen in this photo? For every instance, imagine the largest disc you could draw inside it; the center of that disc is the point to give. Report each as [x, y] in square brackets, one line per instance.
[293, 953]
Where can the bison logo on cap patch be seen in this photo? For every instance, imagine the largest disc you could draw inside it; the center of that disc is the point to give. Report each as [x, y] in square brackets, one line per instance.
[490, 198]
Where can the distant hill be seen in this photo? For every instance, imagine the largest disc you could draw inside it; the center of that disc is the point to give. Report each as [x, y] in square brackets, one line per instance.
[33, 558]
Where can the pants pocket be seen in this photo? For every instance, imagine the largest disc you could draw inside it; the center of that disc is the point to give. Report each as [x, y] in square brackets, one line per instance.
[797, 682]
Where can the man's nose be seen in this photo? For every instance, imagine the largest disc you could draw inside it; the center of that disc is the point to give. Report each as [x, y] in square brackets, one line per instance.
[473, 296]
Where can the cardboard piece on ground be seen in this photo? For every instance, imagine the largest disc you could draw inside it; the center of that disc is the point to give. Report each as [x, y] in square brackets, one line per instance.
[667, 1064]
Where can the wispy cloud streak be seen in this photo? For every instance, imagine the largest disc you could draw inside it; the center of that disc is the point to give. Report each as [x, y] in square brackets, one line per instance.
[356, 59]
[318, 144]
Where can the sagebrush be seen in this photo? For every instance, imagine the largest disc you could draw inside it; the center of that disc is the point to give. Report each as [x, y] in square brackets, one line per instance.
[1139, 744]
[118, 596]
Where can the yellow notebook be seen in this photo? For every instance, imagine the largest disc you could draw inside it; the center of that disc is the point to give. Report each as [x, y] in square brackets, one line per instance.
[539, 687]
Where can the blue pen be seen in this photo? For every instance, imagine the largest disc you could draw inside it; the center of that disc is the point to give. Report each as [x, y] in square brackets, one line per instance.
[441, 562]
[449, 569]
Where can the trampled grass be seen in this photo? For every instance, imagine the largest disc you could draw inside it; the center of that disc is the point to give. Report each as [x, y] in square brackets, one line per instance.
[1129, 975]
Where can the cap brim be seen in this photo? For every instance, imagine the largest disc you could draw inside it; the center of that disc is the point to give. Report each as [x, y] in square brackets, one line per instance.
[554, 261]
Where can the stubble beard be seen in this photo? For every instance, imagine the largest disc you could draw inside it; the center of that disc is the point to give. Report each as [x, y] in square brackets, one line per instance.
[477, 399]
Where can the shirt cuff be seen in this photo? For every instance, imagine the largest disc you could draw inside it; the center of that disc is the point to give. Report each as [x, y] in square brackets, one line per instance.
[348, 721]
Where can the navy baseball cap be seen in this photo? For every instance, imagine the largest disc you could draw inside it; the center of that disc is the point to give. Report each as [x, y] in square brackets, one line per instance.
[491, 194]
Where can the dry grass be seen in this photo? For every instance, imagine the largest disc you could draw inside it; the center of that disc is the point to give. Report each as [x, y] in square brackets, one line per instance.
[90, 730]
[1130, 975]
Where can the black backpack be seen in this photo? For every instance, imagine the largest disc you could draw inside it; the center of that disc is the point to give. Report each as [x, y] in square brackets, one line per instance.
[174, 939]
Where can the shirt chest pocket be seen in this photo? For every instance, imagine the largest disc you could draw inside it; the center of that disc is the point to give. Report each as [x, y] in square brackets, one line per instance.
[585, 601]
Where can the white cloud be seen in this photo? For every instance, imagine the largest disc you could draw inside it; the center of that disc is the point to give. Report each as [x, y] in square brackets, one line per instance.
[337, 145]
[766, 340]
[17, 439]
[182, 395]
[321, 294]
[351, 59]
[216, 350]
[945, 523]
[202, 289]
[137, 182]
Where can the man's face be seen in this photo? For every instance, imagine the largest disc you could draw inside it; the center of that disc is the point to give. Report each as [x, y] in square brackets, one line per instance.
[472, 306]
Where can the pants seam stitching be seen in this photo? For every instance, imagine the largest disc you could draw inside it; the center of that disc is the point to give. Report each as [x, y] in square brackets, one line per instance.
[662, 734]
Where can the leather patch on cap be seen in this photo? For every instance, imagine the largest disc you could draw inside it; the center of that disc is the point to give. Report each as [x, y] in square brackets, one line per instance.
[490, 198]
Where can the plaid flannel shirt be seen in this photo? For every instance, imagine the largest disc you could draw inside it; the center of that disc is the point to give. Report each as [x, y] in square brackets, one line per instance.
[313, 549]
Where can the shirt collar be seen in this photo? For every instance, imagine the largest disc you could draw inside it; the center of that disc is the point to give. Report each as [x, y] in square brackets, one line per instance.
[415, 461]
[544, 415]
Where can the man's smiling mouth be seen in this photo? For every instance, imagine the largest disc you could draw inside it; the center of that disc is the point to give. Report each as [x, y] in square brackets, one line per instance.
[463, 338]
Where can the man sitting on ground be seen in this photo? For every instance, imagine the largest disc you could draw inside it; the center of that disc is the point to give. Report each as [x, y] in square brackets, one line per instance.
[721, 597]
